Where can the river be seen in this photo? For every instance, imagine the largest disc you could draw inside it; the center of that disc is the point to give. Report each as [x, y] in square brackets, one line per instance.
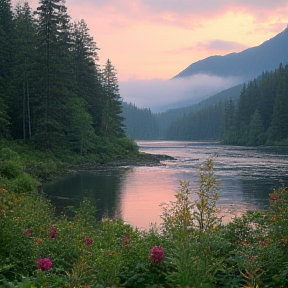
[247, 176]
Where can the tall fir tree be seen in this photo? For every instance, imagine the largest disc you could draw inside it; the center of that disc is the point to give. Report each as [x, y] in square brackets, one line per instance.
[112, 105]
[87, 71]
[256, 130]
[23, 65]
[6, 59]
[278, 130]
[56, 78]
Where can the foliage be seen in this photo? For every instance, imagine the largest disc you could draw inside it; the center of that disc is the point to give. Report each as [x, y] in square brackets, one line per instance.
[188, 224]
[191, 248]
[53, 94]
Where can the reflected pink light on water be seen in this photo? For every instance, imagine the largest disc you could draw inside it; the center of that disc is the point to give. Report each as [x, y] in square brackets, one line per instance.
[140, 199]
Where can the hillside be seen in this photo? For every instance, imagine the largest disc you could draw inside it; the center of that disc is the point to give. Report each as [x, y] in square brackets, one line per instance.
[246, 64]
[142, 124]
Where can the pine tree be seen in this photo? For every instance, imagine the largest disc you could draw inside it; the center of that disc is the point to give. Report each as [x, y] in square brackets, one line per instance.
[112, 105]
[256, 130]
[56, 78]
[23, 65]
[278, 130]
[6, 58]
[87, 71]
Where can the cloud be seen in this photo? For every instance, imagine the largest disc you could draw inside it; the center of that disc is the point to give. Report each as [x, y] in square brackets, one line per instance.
[222, 45]
[214, 46]
[159, 95]
[182, 12]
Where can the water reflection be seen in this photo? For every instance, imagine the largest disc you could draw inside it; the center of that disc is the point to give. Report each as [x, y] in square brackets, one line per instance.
[143, 190]
[101, 187]
[247, 175]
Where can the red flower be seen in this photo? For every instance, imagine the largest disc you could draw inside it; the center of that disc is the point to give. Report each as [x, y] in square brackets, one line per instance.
[157, 254]
[53, 232]
[272, 197]
[126, 240]
[27, 232]
[88, 241]
[44, 264]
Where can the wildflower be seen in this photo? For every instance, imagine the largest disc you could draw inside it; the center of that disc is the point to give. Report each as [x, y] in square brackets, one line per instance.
[44, 264]
[272, 197]
[88, 241]
[53, 232]
[126, 240]
[27, 232]
[38, 241]
[157, 254]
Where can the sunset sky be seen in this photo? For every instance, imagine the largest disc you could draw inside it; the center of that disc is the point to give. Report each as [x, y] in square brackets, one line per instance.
[153, 40]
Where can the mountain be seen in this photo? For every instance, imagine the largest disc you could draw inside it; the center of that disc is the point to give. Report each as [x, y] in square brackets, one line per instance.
[144, 125]
[247, 64]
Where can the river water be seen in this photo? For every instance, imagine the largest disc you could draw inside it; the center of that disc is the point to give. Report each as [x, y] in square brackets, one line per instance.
[247, 176]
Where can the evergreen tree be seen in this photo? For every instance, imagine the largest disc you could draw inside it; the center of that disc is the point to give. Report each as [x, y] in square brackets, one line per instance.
[256, 130]
[6, 58]
[87, 71]
[23, 65]
[4, 119]
[278, 130]
[112, 106]
[56, 78]
[81, 135]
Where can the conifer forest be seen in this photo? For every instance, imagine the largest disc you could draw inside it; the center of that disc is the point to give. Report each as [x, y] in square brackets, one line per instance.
[53, 92]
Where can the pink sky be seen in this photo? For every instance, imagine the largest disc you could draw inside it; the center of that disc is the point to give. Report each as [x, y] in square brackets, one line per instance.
[147, 39]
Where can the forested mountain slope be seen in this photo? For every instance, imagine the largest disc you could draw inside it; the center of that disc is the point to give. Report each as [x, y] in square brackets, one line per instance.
[142, 124]
[259, 117]
[247, 64]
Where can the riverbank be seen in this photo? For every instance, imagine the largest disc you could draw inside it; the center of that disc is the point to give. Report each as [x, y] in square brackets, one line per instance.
[142, 159]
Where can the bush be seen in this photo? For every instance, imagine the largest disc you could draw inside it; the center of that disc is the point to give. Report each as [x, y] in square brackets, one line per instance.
[191, 249]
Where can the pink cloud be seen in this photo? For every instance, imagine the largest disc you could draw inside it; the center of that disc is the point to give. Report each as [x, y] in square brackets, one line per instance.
[222, 46]
[214, 47]
[180, 13]
[187, 14]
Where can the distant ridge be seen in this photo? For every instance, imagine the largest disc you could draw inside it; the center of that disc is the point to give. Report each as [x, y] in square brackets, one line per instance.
[247, 64]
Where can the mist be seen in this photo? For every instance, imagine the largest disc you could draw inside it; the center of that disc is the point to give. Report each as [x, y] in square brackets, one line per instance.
[160, 95]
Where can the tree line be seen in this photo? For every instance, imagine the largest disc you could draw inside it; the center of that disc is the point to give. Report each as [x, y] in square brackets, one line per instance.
[140, 123]
[258, 117]
[53, 92]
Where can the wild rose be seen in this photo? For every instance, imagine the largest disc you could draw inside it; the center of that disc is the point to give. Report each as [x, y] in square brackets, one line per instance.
[27, 232]
[44, 264]
[88, 241]
[126, 240]
[157, 254]
[53, 232]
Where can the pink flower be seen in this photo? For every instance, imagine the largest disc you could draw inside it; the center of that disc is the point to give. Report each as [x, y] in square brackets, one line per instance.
[27, 232]
[126, 240]
[88, 241]
[157, 254]
[53, 232]
[44, 264]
